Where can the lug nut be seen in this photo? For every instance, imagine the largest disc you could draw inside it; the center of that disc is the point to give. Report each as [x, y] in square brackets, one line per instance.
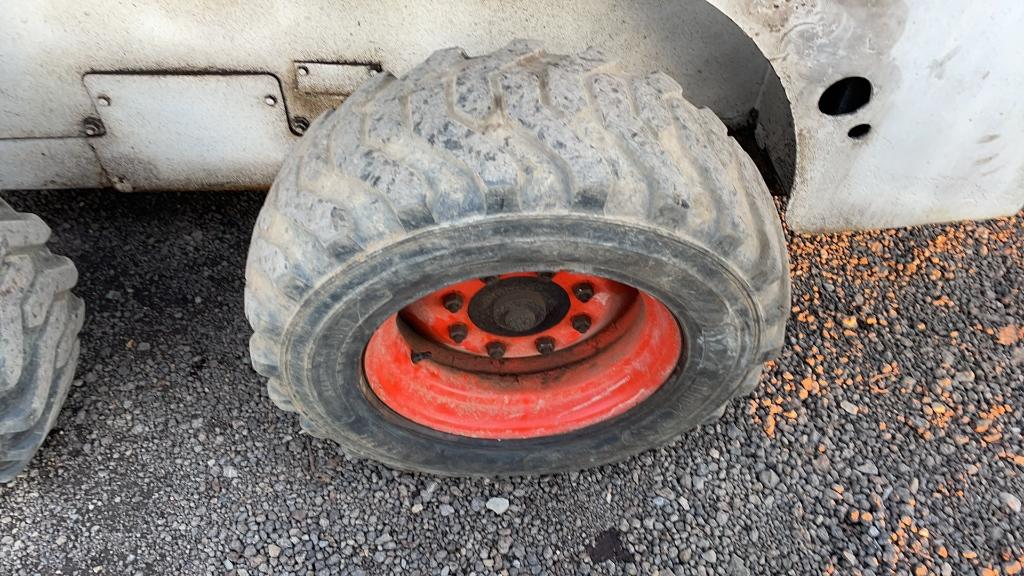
[458, 332]
[495, 350]
[545, 345]
[452, 302]
[581, 323]
[584, 291]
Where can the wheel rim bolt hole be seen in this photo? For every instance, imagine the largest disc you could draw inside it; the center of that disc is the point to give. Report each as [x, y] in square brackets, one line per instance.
[452, 302]
[458, 332]
[496, 350]
[583, 291]
[581, 323]
[545, 345]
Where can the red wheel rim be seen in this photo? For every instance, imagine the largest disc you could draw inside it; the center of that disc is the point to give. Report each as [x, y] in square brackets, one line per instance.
[523, 355]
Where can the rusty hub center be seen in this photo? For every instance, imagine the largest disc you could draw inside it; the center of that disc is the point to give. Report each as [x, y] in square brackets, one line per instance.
[519, 306]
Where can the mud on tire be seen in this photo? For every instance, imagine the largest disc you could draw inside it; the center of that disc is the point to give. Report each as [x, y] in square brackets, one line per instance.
[39, 324]
[513, 161]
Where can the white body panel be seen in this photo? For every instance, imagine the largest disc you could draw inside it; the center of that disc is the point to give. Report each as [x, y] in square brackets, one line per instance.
[946, 123]
[202, 131]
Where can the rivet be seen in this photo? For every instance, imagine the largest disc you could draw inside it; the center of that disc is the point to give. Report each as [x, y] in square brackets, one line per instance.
[92, 127]
[270, 100]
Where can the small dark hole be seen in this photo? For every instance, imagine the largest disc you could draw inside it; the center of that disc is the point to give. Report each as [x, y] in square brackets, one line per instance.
[608, 546]
[845, 96]
[859, 131]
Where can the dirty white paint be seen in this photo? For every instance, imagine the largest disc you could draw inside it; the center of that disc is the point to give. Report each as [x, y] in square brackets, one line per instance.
[189, 132]
[323, 86]
[946, 117]
[946, 120]
[333, 79]
[49, 163]
[48, 45]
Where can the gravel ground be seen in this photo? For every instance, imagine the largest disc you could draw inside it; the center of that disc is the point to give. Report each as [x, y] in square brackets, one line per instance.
[886, 439]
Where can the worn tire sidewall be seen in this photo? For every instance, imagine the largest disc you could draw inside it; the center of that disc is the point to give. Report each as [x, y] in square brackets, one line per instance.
[326, 339]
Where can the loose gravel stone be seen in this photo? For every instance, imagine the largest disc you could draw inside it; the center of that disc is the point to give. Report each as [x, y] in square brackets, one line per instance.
[768, 478]
[868, 468]
[497, 505]
[1012, 502]
[173, 460]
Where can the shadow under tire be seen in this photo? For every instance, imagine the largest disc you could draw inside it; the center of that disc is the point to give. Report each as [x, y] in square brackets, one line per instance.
[517, 161]
[39, 323]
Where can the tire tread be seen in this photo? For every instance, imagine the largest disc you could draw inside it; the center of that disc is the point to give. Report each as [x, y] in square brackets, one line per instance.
[517, 130]
[39, 344]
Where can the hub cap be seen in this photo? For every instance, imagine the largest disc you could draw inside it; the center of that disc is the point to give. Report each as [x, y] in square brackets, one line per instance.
[518, 305]
[523, 355]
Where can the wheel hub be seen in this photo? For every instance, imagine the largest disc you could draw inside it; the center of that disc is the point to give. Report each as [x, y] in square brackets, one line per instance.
[531, 354]
[518, 306]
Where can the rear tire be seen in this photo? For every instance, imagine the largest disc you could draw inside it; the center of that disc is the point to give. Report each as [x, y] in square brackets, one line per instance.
[514, 161]
[39, 324]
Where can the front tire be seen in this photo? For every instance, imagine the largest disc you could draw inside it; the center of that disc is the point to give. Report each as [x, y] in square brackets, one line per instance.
[514, 162]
